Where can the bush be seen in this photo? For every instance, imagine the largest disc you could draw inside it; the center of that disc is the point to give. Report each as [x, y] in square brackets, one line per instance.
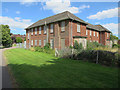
[78, 46]
[32, 49]
[115, 46]
[39, 49]
[19, 40]
[47, 46]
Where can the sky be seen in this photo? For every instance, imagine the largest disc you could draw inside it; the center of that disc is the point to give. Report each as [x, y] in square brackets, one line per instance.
[19, 15]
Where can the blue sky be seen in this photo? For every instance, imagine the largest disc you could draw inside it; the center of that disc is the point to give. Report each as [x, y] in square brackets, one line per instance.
[19, 15]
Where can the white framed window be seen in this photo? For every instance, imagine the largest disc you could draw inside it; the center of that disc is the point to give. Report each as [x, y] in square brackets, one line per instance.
[44, 42]
[107, 34]
[51, 43]
[45, 30]
[35, 42]
[39, 30]
[35, 31]
[90, 33]
[63, 26]
[32, 42]
[86, 32]
[51, 28]
[94, 33]
[39, 42]
[97, 34]
[32, 31]
[78, 27]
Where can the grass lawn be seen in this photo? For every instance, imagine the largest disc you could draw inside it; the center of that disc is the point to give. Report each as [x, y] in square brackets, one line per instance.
[41, 70]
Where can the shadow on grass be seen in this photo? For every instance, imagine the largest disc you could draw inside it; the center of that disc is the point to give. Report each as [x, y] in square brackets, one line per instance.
[61, 73]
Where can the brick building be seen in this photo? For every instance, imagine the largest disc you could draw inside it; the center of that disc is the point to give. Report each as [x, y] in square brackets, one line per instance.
[61, 30]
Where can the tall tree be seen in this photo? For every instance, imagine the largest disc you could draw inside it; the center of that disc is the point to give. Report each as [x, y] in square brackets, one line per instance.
[19, 40]
[5, 33]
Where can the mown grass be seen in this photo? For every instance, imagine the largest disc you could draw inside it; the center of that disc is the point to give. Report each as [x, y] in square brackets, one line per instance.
[41, 70]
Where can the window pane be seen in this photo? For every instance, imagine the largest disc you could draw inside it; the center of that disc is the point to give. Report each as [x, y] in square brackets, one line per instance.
[39, 42]
[39, 30]
[32, 31]
[44, 29]
[78, 27]
[35, 31]
[63, 26]
[51, 28]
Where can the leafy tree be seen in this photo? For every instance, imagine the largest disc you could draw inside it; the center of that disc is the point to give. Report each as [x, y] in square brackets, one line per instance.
[6, 38]
[78, 46]
[19, 40]
[113, 37]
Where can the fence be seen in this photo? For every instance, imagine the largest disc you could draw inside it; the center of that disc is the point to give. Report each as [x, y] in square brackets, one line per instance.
[21, 45]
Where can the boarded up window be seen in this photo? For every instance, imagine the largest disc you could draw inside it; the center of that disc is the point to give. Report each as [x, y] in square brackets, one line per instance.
[63, 26]
[78, 27]
[62, 43]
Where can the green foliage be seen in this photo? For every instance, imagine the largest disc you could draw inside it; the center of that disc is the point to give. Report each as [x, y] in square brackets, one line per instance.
[25, 39]
[93, 45]
[19, 40]
[47, 46]
[115, 46]
[113, 37]
[78, 46]
[6, 38]
[39, 49]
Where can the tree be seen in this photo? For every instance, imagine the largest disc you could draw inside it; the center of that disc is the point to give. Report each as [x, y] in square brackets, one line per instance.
[19, 40]
[113, 37]
[6, 38]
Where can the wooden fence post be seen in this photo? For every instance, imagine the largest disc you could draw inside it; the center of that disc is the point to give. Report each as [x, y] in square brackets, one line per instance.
[97, 58]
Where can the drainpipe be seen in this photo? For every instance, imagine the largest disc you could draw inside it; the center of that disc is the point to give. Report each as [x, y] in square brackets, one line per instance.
[71, 33]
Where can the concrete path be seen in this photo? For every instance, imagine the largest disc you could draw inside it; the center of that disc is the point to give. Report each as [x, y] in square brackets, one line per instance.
[7, 81]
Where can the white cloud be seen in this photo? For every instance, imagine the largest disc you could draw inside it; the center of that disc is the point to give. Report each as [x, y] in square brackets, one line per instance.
[112, 27]
[60, 6]
[29, 2]
[15, 22]
[105, 14]
[17, 12]
[84, 6]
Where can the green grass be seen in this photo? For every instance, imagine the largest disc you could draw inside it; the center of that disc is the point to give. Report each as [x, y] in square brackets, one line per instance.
[41, 70]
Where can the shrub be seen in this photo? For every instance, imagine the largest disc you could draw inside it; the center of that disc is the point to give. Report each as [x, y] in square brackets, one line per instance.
[47, 46]
[32, 49]
[78, 46]
[19, 40]
[39, 49]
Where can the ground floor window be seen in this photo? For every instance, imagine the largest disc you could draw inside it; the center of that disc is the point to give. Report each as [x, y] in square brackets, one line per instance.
[51, 43]
[44, 42]
[35, 42]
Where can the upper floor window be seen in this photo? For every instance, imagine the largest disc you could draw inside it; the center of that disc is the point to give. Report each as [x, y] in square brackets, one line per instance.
[78, 27]
[90, 33]
[39, 30]
[51, 28]
[107, 34]
[45, 30]
[86, 32]
[35, 42]
[39, 42]
[35, 31]
[97, 34]
[63, 26]
[32, 42]
[94, 33]
[32, 31]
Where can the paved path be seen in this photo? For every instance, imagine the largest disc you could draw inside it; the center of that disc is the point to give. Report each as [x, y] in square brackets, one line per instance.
[7, 81]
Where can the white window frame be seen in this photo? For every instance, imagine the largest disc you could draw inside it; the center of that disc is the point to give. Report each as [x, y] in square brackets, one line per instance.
[94, 33]
[35, 31]
[45, 30]
[63, 26]
[51, 43]
[97, 34]
[78, 27]
[39, 30]
[35, 42]
[32, 31]
[51, 28]
[32, 42]
[39, 42]
[86, 32]
[107, 35]
[44, 42]
[90, 33]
